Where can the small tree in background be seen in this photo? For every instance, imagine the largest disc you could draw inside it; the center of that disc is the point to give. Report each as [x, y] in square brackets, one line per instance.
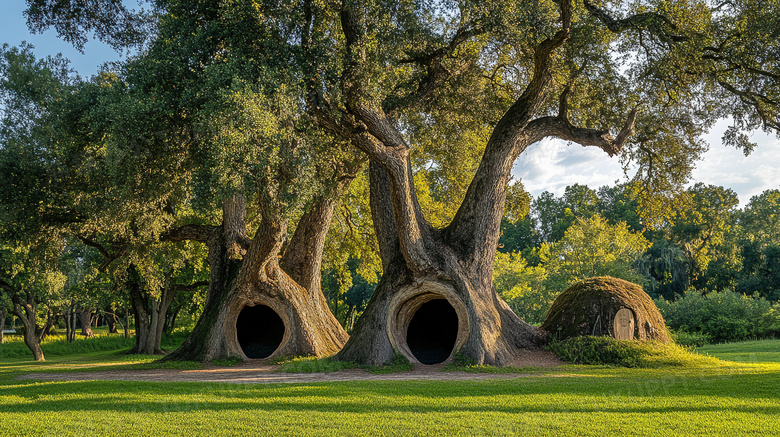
[590, 247]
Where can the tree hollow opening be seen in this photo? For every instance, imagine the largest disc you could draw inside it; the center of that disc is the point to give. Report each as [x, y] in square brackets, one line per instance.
[432, 332]
[259, 330]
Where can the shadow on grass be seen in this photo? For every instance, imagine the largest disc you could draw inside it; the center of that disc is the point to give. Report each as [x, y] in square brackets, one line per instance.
[743, 390]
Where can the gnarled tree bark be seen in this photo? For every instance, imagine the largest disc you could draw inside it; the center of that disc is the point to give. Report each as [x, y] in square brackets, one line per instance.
[249, 273]
[455, 264]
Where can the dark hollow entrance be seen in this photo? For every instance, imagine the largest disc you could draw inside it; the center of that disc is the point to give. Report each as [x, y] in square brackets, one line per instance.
[432, 331]
[260, 331]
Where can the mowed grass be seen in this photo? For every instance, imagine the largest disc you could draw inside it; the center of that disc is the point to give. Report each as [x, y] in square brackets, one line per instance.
[745, 352]
[725, 398]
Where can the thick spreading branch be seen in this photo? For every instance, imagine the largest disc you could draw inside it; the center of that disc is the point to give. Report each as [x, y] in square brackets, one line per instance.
[382, 216]
[24, 309]
[534, 96]
[657, 24]
[234, 226]
[199, 233]
[560, 127]
[386, 147]
[265, 249]
[108, 257]
[302, 260]
[474, 230]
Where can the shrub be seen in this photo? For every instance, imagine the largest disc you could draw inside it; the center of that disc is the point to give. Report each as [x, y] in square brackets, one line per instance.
[690, 339]
[722, 316]
[626, 353]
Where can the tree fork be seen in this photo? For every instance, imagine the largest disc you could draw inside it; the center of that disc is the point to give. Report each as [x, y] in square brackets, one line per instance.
[257, 279]
[454, 266]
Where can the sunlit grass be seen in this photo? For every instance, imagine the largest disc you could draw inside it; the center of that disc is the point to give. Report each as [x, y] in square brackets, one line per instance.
[720, 398]
[747, 351]
[57, 345]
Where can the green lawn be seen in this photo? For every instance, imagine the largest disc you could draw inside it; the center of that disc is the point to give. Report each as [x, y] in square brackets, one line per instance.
[724, 399]
[745, 352]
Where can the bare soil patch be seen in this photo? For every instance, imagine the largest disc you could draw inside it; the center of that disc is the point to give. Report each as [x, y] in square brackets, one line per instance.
[259, 372]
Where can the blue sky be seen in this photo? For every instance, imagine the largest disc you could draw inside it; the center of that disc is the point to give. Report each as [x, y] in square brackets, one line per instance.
[13, 30]
[547, 166]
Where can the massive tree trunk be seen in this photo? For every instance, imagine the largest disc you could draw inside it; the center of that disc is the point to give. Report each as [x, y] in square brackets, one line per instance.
[436, 298]
[307, 325]
[261, 306]
[25, 310]
[226, 246]
[457, 302]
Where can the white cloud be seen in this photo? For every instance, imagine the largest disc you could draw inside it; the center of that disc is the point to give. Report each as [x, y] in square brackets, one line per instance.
[551, 165]
[730, 168]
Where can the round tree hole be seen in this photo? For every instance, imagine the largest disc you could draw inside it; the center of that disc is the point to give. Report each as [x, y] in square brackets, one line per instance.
[432, 331]
[260, 331]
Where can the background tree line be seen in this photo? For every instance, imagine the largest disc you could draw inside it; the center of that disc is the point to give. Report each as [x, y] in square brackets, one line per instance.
[707, 251]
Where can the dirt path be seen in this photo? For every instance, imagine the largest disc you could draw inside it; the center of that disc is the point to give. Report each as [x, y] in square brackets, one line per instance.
[260, 373]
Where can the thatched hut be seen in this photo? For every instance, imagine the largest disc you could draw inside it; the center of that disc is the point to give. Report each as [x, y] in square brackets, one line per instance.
[606, 306]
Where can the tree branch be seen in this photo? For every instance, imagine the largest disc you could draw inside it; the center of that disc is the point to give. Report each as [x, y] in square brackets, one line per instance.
[262, 258]
[108, 257]
[664, 29]
[382, 216]
[475, 229]
[27, 305]
[384, 144]
[435, 71]
[756, 101]
[199, 233]
[91, 243]
[561, 127]
[657, 24]
[302, 260]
